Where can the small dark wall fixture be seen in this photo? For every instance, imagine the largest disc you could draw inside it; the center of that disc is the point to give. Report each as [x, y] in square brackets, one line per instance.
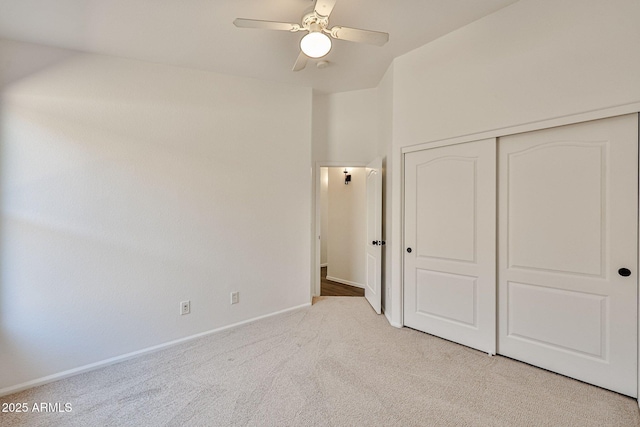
[347, 177]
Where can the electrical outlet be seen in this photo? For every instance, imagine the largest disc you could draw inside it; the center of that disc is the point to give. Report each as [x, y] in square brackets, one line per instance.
[235, 297]
[185, 307]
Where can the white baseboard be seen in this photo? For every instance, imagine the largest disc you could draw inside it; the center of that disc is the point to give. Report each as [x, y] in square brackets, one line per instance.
[345, 282]
[113, 360]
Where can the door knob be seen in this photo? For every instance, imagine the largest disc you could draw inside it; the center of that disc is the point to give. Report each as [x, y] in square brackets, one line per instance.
[409, 250]
[375, 243]
[624, 272]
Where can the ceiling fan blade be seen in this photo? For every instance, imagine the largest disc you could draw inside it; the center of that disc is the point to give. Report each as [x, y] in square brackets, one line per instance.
[301, 62]
[266, 25]
[359, 36]
[324, 7]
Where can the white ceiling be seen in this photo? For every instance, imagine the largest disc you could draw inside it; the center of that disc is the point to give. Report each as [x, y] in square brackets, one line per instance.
[200, 33]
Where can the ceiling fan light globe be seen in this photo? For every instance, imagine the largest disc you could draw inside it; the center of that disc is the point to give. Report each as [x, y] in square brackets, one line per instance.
[315, 44]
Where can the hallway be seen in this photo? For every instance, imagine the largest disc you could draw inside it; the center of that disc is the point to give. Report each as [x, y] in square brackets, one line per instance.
[335, 289]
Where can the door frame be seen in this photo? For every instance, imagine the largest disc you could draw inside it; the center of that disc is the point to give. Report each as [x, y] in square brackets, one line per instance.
[315, 237]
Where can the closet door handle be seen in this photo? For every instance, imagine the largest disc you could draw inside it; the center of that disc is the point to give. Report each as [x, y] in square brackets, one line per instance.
[409, 250]
[624, 272]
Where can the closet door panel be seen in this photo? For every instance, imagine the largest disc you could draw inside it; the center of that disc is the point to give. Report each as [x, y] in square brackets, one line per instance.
[568, 202]
[450, 285]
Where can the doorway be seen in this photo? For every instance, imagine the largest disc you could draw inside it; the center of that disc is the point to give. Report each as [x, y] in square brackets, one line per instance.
[342, 231]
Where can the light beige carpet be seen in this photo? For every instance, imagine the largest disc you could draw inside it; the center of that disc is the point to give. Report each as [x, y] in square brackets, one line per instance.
[333, 364]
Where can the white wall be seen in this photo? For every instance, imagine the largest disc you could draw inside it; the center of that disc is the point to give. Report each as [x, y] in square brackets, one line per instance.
[345, 126]
[534, 60]
[346, 243]
[127, 187]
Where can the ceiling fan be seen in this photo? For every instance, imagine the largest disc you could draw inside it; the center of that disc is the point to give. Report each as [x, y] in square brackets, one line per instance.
[317, 42]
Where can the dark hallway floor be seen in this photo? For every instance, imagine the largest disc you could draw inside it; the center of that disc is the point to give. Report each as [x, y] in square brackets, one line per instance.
[335, 289]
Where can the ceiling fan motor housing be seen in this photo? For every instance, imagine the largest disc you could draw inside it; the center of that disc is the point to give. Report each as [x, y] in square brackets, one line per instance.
[313, 22]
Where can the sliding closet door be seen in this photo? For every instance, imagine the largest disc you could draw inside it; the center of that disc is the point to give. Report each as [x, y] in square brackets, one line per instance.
[568, 203]
[450, 217]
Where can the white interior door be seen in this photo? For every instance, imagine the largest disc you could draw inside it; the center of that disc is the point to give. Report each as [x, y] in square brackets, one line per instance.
[450, 238]
[373, 286]
[568, 224]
